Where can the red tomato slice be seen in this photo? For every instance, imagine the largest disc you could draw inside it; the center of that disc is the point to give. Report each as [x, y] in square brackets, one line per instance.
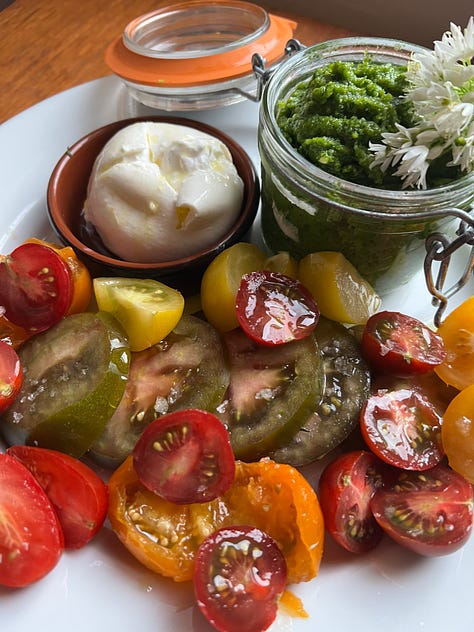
[429, 512]
[401, 345]
[239, 576]
[78, 494]
[31, 539]
[185, 457]
[403, 428]
[273, 308]
[36, 287]
[11, 375]
[346, 487]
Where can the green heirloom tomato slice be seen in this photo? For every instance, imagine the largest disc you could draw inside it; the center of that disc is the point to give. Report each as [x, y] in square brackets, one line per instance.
[271, 391]
[185, 370]
[346, 388]
[74, 377]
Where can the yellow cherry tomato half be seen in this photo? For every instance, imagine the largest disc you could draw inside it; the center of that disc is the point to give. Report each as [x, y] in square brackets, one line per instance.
[457, 433]
[283, 263]
[457, 332]
[341, 293]
[147, 309]
[221, 281]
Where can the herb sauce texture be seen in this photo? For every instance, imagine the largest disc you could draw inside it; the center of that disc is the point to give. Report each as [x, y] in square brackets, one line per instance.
[331, 118]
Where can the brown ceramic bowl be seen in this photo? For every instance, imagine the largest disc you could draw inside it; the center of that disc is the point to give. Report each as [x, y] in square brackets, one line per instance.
[66, 194]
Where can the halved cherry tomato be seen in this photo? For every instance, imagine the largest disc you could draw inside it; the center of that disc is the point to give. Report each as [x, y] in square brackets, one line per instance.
[165, 536]
[12, 334]
[239, 577]
[221, 281]
[429, 512]
[457, 433]
[403, 428]
[36, 287]
[31, 538]
[147, 309]
[401, 345]
[185, 457]
[346, 487]
[11, 375]
[457, 332]
[273, 308]
[78, 494]
[81, 278]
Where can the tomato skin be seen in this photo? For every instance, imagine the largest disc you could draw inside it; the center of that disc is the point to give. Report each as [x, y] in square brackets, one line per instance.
[346, 487]
[78, 494]
[254, 573]
[457, 433]
[11, 375]
[403, 428]
[31, 538]
[274, 309]
[36, 287]
[401, 345]
[428, 512]
[185, 457]
[165, 536]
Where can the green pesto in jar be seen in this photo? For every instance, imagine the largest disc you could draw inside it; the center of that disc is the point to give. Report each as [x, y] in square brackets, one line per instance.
[331, 118]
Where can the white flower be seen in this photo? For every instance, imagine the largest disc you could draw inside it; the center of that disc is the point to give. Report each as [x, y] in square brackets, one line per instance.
[441, 88]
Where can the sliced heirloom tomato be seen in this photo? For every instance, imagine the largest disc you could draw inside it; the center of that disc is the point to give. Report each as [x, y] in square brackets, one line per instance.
[185, 457]
[429, 512]
[75, 376]
[36, 287]
[271, 393]
[275, 309]
[165, 536]
[457, 332]
[11, 375]
[346, 487]
[403, 428]
[31, 538]
[78, 495]
[185, 370]
[401, 345]
[239, 577]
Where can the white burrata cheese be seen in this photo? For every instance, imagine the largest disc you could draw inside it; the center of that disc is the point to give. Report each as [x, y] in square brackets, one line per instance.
[160, 191]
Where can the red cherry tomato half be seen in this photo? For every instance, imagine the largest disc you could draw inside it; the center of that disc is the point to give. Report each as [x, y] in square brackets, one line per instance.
[78, 494]
[403, 428]
[36, 287]
[429, 512]
[401, 345]
[31, 539]
[185, 457]
[346, 487]
[273, 308]
[240, 574]
[11, 375]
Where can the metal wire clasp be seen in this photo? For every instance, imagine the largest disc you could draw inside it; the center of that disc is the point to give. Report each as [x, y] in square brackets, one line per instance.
[439, 250]
[263, 74]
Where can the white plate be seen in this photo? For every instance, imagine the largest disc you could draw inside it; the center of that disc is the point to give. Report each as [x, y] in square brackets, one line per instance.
[102, 587]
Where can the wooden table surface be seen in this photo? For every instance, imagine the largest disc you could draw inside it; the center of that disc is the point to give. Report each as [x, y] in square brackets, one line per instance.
[47, 46]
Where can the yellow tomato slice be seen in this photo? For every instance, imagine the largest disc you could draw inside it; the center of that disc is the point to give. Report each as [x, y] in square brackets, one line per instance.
[147, 309]
[283, 263]
[457, 433]
[221, 280]
[341, 293]
[457, 332]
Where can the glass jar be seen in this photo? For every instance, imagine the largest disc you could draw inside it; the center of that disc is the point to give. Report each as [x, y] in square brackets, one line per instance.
[305, 209]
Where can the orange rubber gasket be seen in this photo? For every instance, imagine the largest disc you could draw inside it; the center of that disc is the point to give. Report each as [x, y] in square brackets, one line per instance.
[236, 63]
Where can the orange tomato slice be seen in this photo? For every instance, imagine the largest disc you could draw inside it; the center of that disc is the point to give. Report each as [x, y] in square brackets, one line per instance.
[164, 537]
[457, 332]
